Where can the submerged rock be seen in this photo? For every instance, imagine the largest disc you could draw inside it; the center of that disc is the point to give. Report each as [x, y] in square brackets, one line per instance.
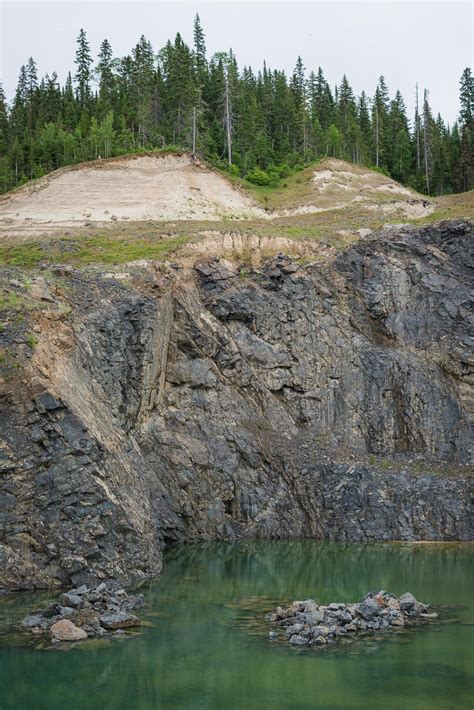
[301, 621]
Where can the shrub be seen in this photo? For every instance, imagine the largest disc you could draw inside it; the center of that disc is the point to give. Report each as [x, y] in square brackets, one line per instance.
[258, 177]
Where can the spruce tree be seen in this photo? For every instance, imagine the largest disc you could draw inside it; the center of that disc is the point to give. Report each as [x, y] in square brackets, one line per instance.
[83, 73]
[466, 119]
[199, 49]
[466, 99]
[105, 76]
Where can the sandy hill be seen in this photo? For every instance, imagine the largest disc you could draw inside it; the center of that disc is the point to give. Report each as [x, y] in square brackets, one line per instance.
[162, 187]
[175, 188]
[337, 184]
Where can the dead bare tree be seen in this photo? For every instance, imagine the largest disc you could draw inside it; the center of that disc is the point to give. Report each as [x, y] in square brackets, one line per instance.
[228, 117]
[426, 139]
[194, 131]
[417, 130]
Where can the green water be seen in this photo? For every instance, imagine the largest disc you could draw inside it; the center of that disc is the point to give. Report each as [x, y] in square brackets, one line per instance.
[208, 647]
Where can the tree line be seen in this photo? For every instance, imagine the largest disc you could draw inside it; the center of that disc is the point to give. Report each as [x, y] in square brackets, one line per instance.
[261, 126]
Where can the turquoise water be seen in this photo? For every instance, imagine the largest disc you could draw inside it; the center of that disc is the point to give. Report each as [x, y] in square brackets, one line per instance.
[208, 646]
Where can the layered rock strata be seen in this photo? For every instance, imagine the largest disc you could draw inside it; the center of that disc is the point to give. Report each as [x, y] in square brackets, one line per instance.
[330, 400]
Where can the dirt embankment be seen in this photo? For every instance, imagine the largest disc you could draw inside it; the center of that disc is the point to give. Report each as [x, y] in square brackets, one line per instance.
[143, 188]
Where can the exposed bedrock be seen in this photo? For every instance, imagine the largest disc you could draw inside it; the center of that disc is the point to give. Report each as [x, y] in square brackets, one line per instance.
[328, 400]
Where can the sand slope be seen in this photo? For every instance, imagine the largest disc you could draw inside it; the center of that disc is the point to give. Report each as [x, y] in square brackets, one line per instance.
[337, 183]
[146, 187]
[175, 187]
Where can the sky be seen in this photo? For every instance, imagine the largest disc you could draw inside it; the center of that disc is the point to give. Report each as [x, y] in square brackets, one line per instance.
[429, 42]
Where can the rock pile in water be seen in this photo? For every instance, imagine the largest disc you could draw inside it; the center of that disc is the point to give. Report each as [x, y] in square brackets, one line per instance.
[81, 613]
[306, 623]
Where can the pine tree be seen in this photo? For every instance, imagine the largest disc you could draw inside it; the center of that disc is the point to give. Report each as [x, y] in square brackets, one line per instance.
[427, 140]
[379, 123]
[300, 124]
[5, 169]
[347, 121]
[3, 122]
[68, 105]
[31, 78]
[399, 149]
[105, 76]
[199, 49]
[466, 119]
[83, 73]
[143, 82]
[363, 117]
[466, 99]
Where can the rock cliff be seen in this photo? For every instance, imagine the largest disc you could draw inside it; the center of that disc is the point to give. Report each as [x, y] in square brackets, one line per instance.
[328, 399]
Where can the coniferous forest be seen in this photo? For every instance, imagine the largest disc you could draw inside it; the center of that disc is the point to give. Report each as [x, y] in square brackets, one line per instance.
[261, 126]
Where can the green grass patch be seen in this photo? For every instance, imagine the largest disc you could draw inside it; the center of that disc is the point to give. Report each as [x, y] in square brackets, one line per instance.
[25, 255]
[11, 301]
[32, 340]
[94, 249]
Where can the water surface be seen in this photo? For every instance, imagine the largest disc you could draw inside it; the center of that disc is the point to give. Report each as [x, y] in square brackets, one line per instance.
[209, 648]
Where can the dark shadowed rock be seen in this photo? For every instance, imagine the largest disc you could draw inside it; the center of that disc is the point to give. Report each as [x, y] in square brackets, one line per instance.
[73, 600]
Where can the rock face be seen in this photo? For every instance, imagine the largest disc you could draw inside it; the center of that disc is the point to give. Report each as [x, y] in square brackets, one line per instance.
[329, 400]
[309, 624]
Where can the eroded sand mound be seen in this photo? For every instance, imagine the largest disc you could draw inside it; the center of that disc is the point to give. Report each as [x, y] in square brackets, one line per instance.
[142, 188]
[337, 184]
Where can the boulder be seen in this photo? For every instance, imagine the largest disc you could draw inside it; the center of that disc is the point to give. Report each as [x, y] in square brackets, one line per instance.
[72, 600]
[410, 604]
[65, 630]
[369, 608]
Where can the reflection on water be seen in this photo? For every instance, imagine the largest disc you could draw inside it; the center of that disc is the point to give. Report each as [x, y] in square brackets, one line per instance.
[207, 648]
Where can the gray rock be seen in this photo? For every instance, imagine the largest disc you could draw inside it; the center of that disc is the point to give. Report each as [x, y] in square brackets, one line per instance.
[32, 620]
[374, 613]
[296, 640]
[72, 600]
[407, 601]
[369, 608]
[119, 620]
[294, 629]
[315, 617]
[219, 389]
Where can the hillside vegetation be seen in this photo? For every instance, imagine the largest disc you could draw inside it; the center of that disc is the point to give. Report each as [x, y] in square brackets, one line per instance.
[261, 126]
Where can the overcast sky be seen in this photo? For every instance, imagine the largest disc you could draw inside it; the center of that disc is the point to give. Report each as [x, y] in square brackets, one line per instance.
[426, 42]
